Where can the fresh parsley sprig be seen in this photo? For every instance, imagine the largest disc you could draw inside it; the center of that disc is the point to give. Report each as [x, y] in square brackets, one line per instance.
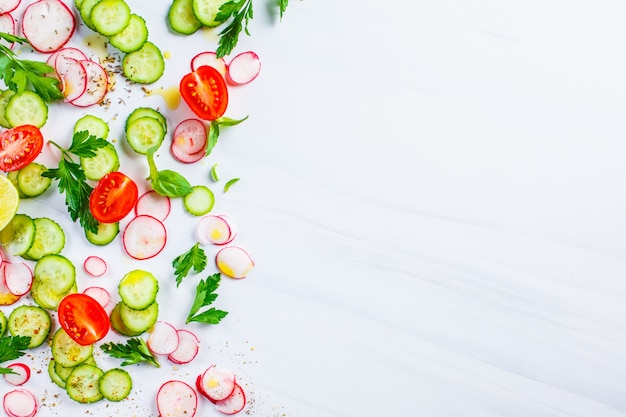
[20, 74]
[134, 351]
[72, 180]
[166, 182]
[214, 130]
[241, 13]
[195, 258]
[205, 295]
[11, 348]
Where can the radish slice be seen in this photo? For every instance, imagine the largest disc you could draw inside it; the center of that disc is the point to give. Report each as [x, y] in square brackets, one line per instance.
[7, 6]
[6, 297]
[99, 294]
[95, 266]
[48, 25]
[21, 375]
[153, 204]
[190, 136]
[210, 59]
[243, 68]
[201, 390]
[73, 76]
[18, 278]
[144, 237]
[7, 25]
[163, 338]
[188, 346]
[184, 157]
[214, 229]
[97, 85]
[20, 403]
[234, 403]
[175, 399]
[234, 262]
[218, 382]
[67, 52]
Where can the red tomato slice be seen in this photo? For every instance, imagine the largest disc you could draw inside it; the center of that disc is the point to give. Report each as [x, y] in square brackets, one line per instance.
[19, 147]
[83, 318]
[113, 197]
[205, 92]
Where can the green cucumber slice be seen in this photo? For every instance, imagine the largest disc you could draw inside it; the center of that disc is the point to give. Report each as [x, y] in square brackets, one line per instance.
[30, 181]
[18, 236]
[31, 321]
[145, 65]
[49, 239]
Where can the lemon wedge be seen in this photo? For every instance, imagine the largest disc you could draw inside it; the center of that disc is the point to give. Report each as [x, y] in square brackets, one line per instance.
[9, 201]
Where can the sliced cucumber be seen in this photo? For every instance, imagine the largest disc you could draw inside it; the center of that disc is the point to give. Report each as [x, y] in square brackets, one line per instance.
[85, 10]
[118, 325]
[181, 18]
[138, 289]
[3, 323]
[49, 239]
[31, 321]
[30, 180]
[53, 374]
[46, 297]
[56, 272]
[146, 112]
[110, 17]
[132, 37]
[206, 11]
[105, 235]
[139, 320]
[12, 176]
[144, 133]
[145, 65]
[105, 161]
[18, 236]
[115, 384]
[199, 201]
[26, 108]
[92, 124]
[82, 384]
[64, 371]
[66, 352]
[4, 99]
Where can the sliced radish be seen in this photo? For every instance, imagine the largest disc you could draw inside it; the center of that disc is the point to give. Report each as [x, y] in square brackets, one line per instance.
[99, 294]
[201, 390]
[144, 237]
[243, 68]
[190, 136]
[175, 399]
[218, 382]
[6, 297]
[18, 277]
[73, 76]
[234, 262]
[7, 6]
[213, 229]
[97, 85]
[163, 338]
[48, 25]
[210, 59]
[7, 25]
[153, 204]
[67, 52]
[20, 376]
[187, 349]
[184, 157]
[234, 403]
[20, 403]
[95, 266]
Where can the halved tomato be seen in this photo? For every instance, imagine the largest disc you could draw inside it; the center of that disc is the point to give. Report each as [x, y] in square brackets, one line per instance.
[19, 147]
[83, 318]
[113, 197]
[205, 92]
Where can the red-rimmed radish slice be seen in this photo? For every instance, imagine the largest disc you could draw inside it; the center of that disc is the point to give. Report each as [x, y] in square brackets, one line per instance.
[73, 76]
[243, 68]
[67, 52]
[188, 346]
[163, 338]
[201, 390]
[18, 277]
[234, 403]
[20, 403]
[210, 59]
[190, 136]
[20, 375]
[7, 6]
[184, 157]
[144, 237]
[95, 266]
[99, 294]
[7, 25]
[213, 229]
[48, 25]
[218, 382]
[175, 399]
[6, 297]
[234, 262]
[153, 204]
[97, 85]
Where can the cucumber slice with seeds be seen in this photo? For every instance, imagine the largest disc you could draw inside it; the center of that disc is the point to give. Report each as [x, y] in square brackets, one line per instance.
[56, 272]
[115, 384]
[66, 352]
[146, 112]
[132, 37]
[110, 17]
[46, 297]
[85, 10]
[31, 321]
[145, 65]
[18, 236]
[49, 239]
[206, 11]
[118, 325]
[181, 18]
[4, 100]
[144, 133]
[30, 180]
[105, 161]
[199, 201]
[138, 289]
[53, 374]
[26, 108]
[82, 384]
[105, 235]
[139, 320]
[92, 124]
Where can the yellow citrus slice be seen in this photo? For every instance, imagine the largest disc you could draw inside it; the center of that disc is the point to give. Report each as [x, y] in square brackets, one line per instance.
[9, 201]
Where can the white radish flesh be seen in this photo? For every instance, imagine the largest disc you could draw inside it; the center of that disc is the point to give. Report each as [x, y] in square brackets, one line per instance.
[188, 346]
[7, 6]
[18, 277]
[234, 403]
[20, 376]
[7, 25]
[184, 157]
[218, 382]
[67, 52]
[175, 399]
[97, 85]
[234, 262]
[163, 338]
[95, 266]
[48, 25]
[190, 136]
[213, 229]
[243, 68]
[99, 294]
[73, 77]
[153, 204]
[144, 237]
[210, 59]
[20, 403]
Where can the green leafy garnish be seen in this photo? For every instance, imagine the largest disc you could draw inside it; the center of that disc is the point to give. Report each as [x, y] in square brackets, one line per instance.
[194, 258]
[134, 351]
[214, 130]
[166, 182]
[241, 13]
[214, 175]
[229, 183]
[11, 348]
[72, 180]
[282, 4]
[20, 74]
[205, 295]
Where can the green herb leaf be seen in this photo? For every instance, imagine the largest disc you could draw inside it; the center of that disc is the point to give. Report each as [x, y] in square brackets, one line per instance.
[11, 348]
[241, 13]
[229, 183]
[214, 130]
[134, 351]
[205, 295]
[194, 258]
[282, 4]
[167, 182]
[85, 145]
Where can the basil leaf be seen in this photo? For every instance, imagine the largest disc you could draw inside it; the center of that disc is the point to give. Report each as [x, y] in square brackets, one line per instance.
[170, 184]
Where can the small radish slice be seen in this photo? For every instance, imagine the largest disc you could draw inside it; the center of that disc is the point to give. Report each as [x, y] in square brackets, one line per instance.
[6, 297]
[48, 25]
[214, 229]
[234, 262]
[7, 6]
[73, 76]
[187, 349]
[153, 204]
[20, 403]
[243, 68]
[163, 338]
[234, 403]
[175, 399]
[7, 25]
[210, 59]
[18, 278]
[144, 237]
[184, 157]
[97, 85]
[95, 266]
[67, 52]
[218, 382]
[201, 390]
[99, 294]
[20, 376]
[190, 136]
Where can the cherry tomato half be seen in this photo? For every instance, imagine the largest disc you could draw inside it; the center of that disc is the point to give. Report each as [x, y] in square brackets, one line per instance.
[205, 92]
[113, 197]
[83, 318]
[19, 146]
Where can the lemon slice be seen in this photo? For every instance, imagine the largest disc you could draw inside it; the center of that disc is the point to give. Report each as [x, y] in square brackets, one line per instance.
[9, 201]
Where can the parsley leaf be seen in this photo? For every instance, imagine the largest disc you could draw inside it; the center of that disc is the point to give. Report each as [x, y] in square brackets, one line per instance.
[12, 347]
[134, 351]
[241, 13]
[205, 295]
[194, 258]
[282, 4]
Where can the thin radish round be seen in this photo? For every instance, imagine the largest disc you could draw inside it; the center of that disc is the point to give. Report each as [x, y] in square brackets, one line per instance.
[213, 229]
[7, 25]
[7, 6]
[95, 266]
[243, 68]
[210, 59]
[163, 338]
[48, 25]
[188, 346]
[201, 390]
[99, 294]
[190, 136]
[218, 382]
[234, 403]
[73, 76]
[20, 403]
[67, 52]
[175, 399]
[18, 277]
[234, 262]
[144, 237]
[184, 157]
[20, 375]
[97, 85]
[153, 204]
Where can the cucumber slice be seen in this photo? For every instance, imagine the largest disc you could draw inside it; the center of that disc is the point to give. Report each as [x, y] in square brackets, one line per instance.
[30, 180]
[66, 352]
[181, 18]
[12, 176]
[118, 325]
[145, 65]
[46, 297]
[106, 233]
[206, 11]
[199, 201]
[56, 272]
[82, 384]
[3, 323]
[31, 321]
[85, 10]
[105, 161]
[92, 124]
[138, 289]
[4, 99]
[132, 37]
[49, 239]
[115, 384]
[53, 374]
[140, 112]
[64, 371]
[144, 133]
[18, 236]
[139, 320]
[110, 17]
[26, 108]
